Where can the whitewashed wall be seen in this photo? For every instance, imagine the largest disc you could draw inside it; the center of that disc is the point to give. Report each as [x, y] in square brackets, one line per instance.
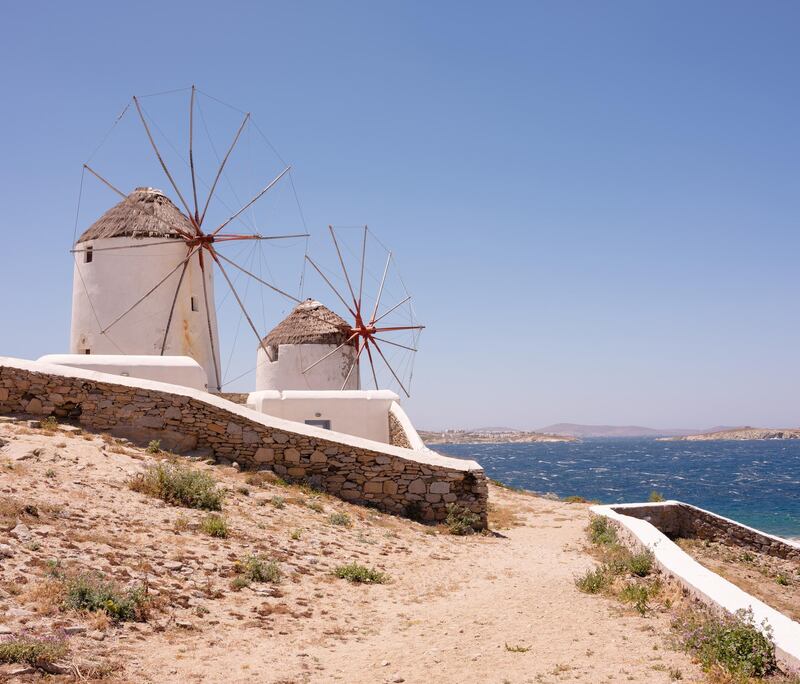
[175, 370]
[116, 279]
[286, 372]
[359, 413]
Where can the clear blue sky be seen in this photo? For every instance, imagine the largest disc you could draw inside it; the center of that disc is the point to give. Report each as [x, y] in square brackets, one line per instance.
[595, 204]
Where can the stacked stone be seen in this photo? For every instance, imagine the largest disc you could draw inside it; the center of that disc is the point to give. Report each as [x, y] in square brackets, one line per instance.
[397, 434]
[682, 520]
[385, 480]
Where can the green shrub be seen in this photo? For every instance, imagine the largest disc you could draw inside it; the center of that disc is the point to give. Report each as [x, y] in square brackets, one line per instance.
[594, 580]
[154, 446]
[179, 486]
[733, 642]
[638, 595]
[49, 424]
[258, 569]
[602, 531]
[278, 501]
[296, 534]
[32, 650]
[641, 564]
[215, 526]
[575, 499]
[340, 519]
[97, 593]
[359, 574]
[461, 521]
[655, 497]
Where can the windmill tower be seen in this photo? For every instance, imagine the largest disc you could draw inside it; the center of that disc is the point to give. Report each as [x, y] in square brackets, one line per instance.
[311, 333]
[116, 309]
[143, 275]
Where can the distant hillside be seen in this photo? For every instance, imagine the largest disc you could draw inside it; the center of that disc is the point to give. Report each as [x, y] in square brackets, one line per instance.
[584, 431]
[742, 434]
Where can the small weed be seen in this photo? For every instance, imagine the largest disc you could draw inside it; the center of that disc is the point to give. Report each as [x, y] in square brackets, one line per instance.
[97, 593]
[296, 534]
[783, 580]
[179, 486]
[33, 546]
[360, 574]
[49, 424]
[215, 526]
[340, 519]
[278, 501]
[315, 505]
[239, 582]
[258, 569]
[50, 473]
[461, 521]
[733, 642]
[602, 531]
[575, 499]
[675, 674]
[517, 649]
[181, 523]
[641, 564]
[638, 595]
[154, 446]
[593, 581]
[33, 650]
[655, 497]
[244, 491]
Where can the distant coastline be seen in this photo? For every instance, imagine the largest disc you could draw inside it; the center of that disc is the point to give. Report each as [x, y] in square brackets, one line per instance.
[740, 434]
[490, 437]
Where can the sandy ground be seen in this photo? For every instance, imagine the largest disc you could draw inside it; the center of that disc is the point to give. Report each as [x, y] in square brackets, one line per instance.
[486, 608]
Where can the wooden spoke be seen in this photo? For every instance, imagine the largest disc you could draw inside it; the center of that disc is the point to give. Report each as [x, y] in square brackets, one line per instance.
[394, 344]
[224, 237]
[331, 353]
[389, 366]
[355, 362]
[108, 249]
[385, 314]
[172, 308]
[208, 321]
[214, 256]
[344, 270]
[147, 294]
[161, 161]
[372, 366]
[255, 199]
[330, 285]
[221, 167]
[380, 289]
[191, 157]
[400, 327]
[363, 259]
[104, 181]
[255, 277]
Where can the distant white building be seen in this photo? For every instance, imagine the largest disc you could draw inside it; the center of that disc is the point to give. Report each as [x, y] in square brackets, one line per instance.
[119, 259]
[309, 350]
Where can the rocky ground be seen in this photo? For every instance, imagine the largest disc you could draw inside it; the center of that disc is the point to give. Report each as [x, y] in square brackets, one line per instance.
[500, 607]
[773, 580]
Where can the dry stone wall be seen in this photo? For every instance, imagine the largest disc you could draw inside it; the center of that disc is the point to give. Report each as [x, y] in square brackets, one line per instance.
[682, 520]
[399, 481]
[397, 435]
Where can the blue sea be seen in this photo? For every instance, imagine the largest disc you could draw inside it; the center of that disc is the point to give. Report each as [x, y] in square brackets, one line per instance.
[756, 483]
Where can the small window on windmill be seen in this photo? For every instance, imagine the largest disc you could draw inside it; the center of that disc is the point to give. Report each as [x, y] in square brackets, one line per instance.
[324, 424]
[194, 304]
[272, 352]
[88, 254]
[87, 351]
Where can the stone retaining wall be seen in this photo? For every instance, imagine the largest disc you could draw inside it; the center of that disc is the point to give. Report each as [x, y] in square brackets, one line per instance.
[677, 519]
[390, 478]
[397, 435]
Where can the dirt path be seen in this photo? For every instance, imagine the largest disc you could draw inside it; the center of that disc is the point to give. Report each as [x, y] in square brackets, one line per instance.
[458, 609]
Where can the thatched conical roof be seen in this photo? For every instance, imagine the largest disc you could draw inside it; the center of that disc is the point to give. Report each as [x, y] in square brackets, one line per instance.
[309, 323]
[146, 212]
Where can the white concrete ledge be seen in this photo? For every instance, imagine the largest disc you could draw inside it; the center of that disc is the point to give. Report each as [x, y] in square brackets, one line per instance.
[706, 585]
[426, 457]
